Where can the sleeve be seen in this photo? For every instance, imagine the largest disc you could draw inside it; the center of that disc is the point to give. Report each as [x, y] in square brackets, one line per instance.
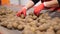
[58, 2]
[35, 1]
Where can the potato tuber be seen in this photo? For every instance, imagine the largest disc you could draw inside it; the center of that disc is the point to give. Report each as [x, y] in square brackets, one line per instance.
[15, 24]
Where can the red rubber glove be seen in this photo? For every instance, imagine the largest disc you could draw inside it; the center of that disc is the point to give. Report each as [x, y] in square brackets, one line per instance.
[38, 8]
[52, 9]
[55, 8]
[58, 9]
[23, 11]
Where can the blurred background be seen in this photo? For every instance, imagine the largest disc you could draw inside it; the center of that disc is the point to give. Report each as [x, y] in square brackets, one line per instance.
[19, 2]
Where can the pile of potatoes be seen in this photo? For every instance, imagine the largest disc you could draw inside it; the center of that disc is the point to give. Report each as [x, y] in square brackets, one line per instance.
[31, 24]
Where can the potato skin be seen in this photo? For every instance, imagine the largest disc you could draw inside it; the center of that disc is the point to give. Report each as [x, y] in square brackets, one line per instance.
[22, 16]
[20, 27]
[15, 24]
[44, 26]
[50, 31]
[9, 26]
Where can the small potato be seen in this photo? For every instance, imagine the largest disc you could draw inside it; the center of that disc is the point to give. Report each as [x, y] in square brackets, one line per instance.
[38, 32]
[38, 24]
[22, 23]
[33, 29]
[53, 23]
[42, 21]
[56, 19]
[34, 17]
[48, 18]
[4, 23]
[22, 16]
[20, 19]
[28, 30]
[15, 24]
[46, 14]
[28, 20]
[50, 31]
[33, 22]
[23, 20]
[9, 11]
[9, 26]
[20, 27]
[44, 26]
[2, 12]
[42, 15]
[57, 27]
[58, 32]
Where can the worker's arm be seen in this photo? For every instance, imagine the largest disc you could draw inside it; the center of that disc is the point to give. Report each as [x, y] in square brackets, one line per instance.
[24, 9]
[29, 4]
[52, 3]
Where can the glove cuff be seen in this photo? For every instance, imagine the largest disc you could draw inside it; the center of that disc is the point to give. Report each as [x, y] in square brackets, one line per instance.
[44, 4]
[25, 8]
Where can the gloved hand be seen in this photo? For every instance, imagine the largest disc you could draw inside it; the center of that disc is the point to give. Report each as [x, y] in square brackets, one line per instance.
[52, 8]
[23, 11]
[58, 9]
[55, 8]
[38, 8]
